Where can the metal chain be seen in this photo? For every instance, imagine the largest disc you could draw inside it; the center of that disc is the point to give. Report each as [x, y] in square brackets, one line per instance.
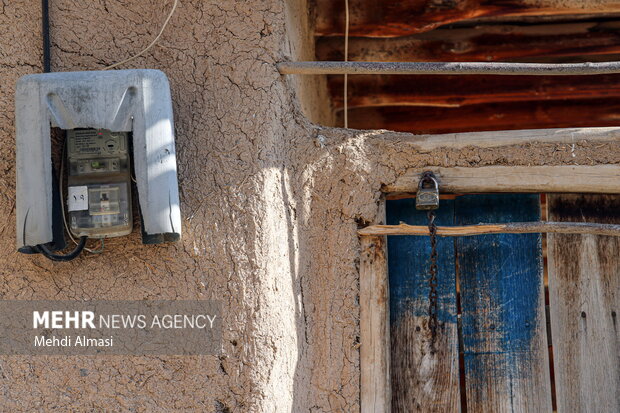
[432, 295]
[430, 202]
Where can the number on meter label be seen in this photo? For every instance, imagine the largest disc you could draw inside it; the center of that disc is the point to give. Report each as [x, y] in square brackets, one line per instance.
[78, 198]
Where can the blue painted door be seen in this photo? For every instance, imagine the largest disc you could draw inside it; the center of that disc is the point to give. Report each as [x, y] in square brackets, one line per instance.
[496, 358]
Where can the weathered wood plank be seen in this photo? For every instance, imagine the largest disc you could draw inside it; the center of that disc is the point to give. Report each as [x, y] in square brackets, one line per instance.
[484, 43]
[422, 380]
[427, 143]
[508, 228]
[389, 18]
[446, 68]
[584, 295]
[537, 114]
[502, 308]
[455, 91]
[597, 178]
[374, 327]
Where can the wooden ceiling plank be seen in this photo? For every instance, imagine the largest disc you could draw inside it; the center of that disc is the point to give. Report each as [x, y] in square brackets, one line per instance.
[481, 43]
[390, 18]
[455, 91]
[488, 117]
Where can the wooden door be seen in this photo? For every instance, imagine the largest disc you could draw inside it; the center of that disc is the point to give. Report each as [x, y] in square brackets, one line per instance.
[584, 298]
[493, 284]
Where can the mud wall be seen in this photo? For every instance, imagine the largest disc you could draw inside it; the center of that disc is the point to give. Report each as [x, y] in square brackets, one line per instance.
[271, 203]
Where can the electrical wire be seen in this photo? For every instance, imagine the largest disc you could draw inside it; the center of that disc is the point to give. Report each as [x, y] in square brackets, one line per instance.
[47, 68]
[43, 249]
[346, 58]
[174, 6]
[81, 245]
[45, 31]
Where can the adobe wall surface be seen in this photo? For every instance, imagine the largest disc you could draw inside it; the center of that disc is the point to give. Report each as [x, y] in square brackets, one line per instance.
[270, 202]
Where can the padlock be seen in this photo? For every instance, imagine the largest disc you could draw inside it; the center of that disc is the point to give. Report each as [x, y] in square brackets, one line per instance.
[427, 198]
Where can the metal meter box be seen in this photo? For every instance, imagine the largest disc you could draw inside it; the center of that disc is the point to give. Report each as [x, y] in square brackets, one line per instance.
[99, 112]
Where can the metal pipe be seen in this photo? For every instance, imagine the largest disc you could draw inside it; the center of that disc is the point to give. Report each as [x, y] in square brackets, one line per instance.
[446, 68]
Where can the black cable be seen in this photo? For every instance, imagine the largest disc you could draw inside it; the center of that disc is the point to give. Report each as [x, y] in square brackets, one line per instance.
[45, 28]
[47, 68]
[43, 249]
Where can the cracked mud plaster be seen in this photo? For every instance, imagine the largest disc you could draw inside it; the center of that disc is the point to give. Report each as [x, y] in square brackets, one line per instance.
[269, 206]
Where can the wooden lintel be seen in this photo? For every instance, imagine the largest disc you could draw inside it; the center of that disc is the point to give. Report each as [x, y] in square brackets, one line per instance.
[510, 228]
[427, 143]
[543, 179]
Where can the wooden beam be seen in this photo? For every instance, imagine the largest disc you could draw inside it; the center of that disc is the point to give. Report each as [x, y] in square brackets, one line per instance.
[482, 43]
[374, 327]
[510, 228]
[390, 18]
[314, 68]
[427, 143]
[587, 179]
[487, 117]
[456, 91]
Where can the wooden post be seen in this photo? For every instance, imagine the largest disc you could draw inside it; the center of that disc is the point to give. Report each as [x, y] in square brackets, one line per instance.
[374, 326]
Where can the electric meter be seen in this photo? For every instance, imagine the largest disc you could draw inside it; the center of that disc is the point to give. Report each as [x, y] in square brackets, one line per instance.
[99, 183]
[119, 129]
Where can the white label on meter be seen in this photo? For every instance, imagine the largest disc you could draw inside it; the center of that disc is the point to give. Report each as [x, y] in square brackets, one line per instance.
[78, 198]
